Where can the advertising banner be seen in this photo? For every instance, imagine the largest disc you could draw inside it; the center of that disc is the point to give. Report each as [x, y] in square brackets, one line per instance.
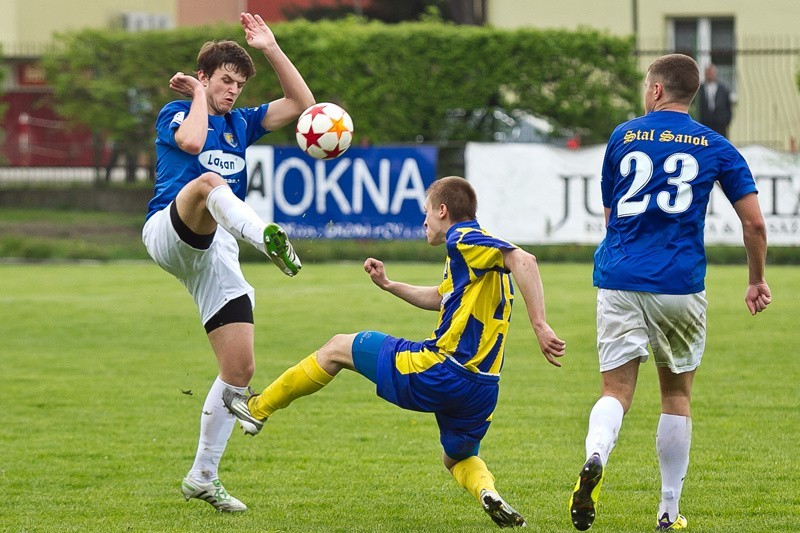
[367, 193]
[541, 194]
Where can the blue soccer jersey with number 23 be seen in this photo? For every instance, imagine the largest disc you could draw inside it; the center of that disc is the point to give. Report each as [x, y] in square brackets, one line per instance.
[658, 173]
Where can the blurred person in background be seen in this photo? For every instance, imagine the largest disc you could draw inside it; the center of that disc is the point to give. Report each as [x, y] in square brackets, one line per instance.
[714, 101]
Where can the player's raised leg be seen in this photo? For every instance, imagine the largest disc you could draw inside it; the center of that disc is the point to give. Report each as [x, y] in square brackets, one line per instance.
[280, 250]
[305, 378]
[208, 200]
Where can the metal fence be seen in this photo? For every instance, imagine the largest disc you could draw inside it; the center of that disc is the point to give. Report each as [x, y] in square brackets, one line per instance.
[767, 99]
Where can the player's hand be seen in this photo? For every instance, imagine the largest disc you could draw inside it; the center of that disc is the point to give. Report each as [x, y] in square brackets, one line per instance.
[184, 84]
[376, 272]
[757, 297]
[550, 344]
[256, 31]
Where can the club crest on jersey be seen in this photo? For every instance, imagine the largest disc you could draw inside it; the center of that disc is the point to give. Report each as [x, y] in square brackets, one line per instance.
[178, 117]
[230, 139]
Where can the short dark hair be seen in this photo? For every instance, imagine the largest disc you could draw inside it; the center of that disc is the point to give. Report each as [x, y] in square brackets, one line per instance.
[457, 194]
[214, 54]
[679, 75]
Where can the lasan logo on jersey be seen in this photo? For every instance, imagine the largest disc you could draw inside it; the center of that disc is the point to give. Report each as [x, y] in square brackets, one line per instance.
[222, 163]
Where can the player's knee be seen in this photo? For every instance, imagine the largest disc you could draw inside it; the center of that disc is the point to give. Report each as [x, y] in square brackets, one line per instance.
[678, 405]
[448, 461]
[337, 350]
[248, 370]
[198, 189]
[622, 397]
[209, 180]
[239, 376]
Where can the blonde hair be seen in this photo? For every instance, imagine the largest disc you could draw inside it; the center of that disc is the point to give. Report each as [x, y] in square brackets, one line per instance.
[457, 194]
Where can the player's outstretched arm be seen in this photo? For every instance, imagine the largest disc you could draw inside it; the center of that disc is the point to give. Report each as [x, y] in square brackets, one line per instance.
[758, 296]
[422, 297]
[524, 268]
[191, 134]
[297, 97]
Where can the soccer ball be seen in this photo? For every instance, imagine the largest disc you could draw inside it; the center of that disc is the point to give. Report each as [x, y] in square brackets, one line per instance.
[324, 131]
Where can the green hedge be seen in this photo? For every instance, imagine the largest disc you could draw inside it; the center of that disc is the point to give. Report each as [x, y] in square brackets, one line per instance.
[397, 81]
[322, 250]
[47, 234]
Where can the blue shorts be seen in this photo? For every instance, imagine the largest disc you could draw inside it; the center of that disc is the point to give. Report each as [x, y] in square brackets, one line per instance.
[410, 376]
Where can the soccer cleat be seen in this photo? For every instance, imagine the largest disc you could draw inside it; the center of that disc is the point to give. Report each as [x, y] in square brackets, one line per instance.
[498, 510]
[237, 405]
[212, 492]
[280, 250]
[679, 523]
[587, 490]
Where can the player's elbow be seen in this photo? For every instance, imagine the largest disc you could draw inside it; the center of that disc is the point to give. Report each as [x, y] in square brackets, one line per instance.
[755, 227]
[305, 102]
[518, 259]
[189, 143]
[190, 147]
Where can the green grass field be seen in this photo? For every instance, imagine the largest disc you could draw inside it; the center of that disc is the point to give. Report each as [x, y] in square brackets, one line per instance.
[104, 369]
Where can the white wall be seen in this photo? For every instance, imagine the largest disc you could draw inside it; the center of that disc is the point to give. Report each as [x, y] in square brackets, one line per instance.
[540, 194]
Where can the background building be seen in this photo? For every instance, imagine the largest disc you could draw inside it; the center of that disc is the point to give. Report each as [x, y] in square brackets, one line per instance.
[755, 45]
[34, 133]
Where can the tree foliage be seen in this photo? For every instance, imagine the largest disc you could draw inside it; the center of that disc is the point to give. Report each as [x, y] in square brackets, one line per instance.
[397, 81]
[383, 10]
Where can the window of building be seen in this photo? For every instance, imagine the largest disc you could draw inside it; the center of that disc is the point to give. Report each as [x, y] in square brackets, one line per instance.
[708, 40]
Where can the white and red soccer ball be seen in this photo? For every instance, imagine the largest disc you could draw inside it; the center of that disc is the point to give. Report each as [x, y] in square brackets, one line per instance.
[324, 131]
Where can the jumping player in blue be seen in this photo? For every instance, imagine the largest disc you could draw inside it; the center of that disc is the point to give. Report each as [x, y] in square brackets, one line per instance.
[657, 176]
[454, 373]
[198, 212]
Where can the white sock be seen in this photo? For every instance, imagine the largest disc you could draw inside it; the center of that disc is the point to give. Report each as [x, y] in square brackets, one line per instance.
[235, 216]
[673, 440]
[604, 423]
[216, 426]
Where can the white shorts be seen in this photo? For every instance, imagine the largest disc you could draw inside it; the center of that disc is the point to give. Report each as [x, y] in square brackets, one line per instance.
[213, 276]
[674, 325]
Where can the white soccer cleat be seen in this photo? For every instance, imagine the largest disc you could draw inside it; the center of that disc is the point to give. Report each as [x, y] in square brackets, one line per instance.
[213, 493]
[237, 405]
[499, 511]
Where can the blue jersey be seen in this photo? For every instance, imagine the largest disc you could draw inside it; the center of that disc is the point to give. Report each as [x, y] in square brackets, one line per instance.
[477, 295]
[228, 137]
[657, 177]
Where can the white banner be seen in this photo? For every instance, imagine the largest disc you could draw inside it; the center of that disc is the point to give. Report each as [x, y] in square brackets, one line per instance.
[541, 194]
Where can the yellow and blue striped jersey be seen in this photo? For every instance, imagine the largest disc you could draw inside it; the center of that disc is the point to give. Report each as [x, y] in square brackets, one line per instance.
[477, 295]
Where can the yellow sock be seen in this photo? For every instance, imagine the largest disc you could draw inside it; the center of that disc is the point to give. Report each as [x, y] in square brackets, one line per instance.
[472, 474]
[304, 378]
